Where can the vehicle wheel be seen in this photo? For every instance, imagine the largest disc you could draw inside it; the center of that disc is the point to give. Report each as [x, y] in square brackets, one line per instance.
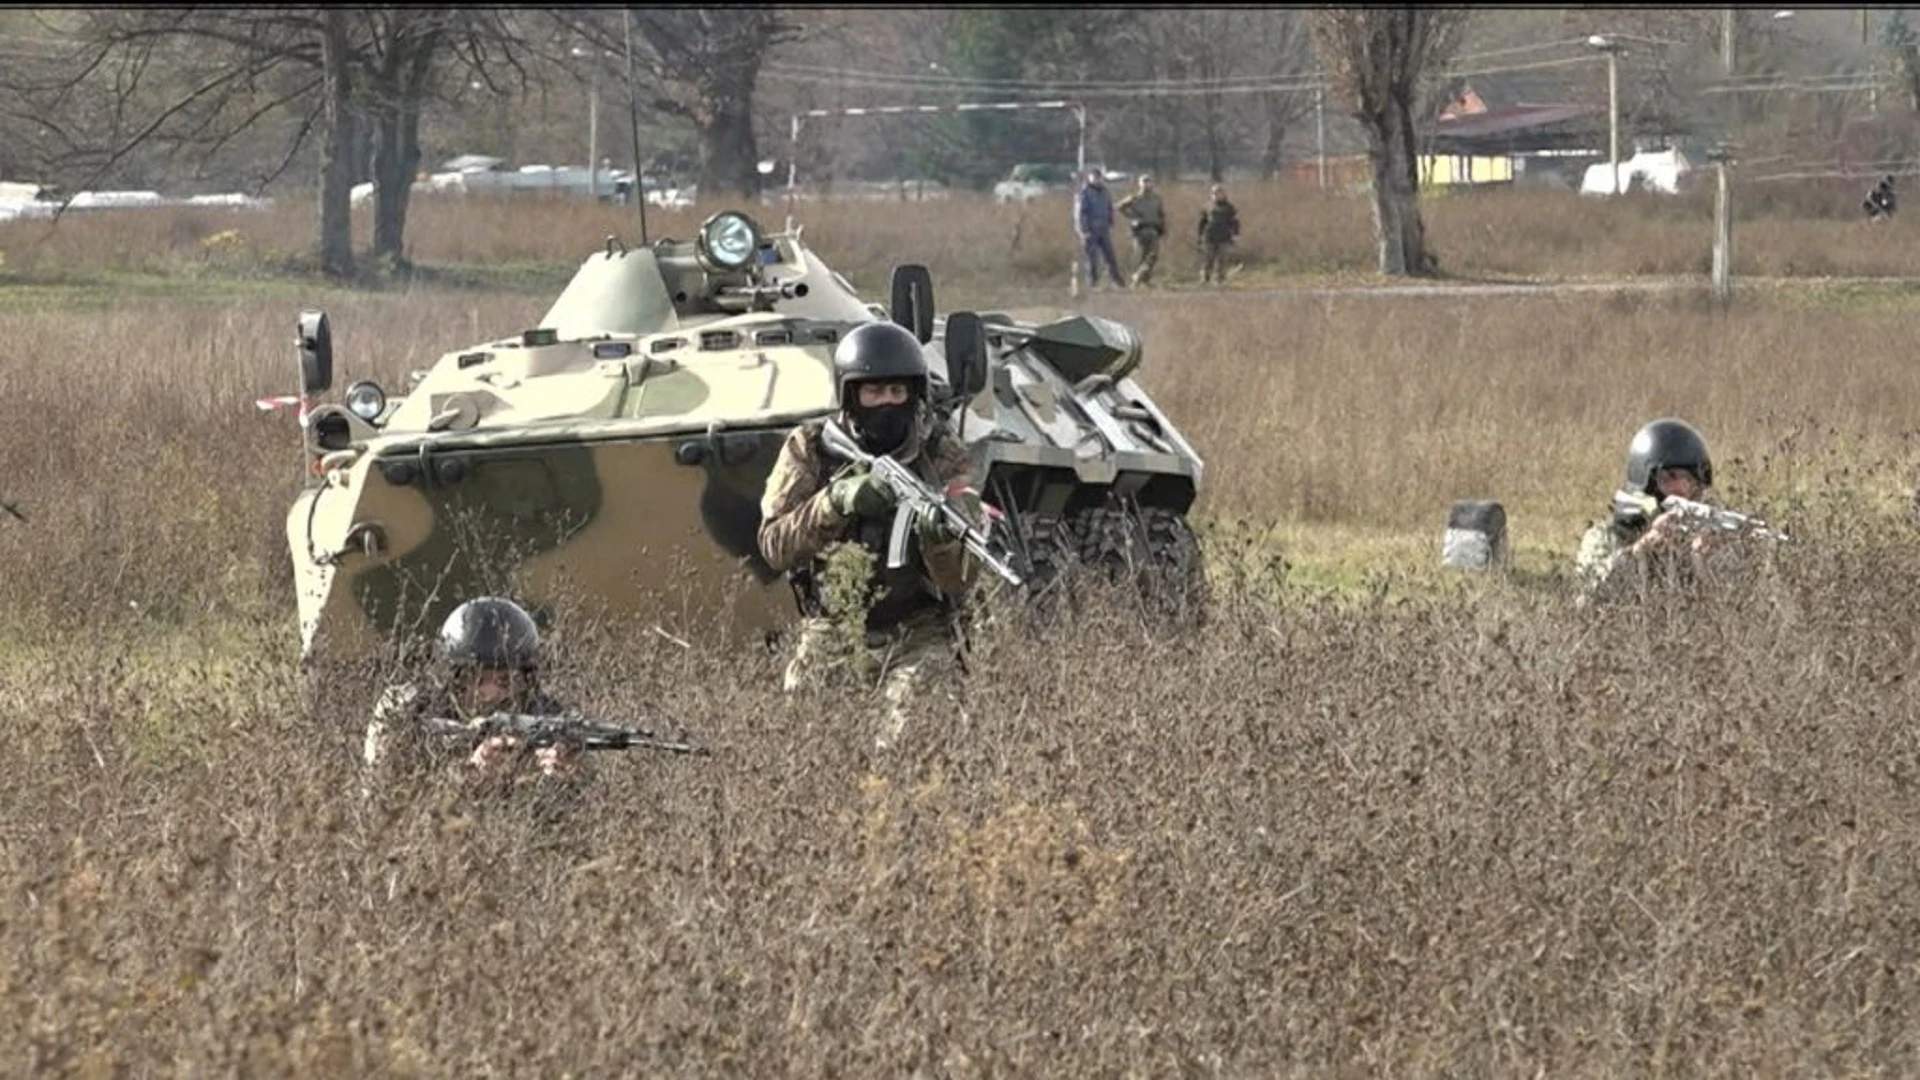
[1176, 569]
[1150, 549]
[1046, 545]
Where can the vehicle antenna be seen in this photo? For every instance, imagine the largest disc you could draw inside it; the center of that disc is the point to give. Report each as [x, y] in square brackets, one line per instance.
[633, 115]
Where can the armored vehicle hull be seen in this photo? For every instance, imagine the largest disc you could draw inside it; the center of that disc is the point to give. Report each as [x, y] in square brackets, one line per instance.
[609, 462]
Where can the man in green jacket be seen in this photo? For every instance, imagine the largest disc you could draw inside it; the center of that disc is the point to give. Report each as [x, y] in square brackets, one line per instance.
[1147, 218]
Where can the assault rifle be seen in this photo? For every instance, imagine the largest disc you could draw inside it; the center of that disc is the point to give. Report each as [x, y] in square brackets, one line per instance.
[917, 499]
[1631, 505]
[570, 728]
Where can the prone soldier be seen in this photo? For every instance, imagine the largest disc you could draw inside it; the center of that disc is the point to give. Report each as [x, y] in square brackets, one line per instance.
[1649, 534]
[487, 660]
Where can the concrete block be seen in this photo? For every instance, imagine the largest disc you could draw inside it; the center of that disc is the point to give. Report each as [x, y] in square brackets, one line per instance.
[1476, 536]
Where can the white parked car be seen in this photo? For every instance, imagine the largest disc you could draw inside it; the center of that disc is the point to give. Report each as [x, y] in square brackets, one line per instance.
[1028, 181]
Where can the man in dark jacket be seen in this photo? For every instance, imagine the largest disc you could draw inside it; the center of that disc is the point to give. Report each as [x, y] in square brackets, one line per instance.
[1093, 223]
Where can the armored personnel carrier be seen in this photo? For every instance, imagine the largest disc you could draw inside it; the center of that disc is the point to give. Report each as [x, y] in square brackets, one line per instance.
[611, 458]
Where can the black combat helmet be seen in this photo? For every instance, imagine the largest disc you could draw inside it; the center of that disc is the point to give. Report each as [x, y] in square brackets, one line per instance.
[1663, 444]
[879, 352]
[490, 632]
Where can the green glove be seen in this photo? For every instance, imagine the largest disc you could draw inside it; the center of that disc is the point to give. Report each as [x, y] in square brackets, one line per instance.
[860, 494]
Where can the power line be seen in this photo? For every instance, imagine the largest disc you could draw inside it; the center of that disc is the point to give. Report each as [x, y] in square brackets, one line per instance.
[815, 74]
[1594, 58]
[1775, 76]
[805, 73]
[1849, 86]
[1525, 48]
[867, 82]
[1137, 88]
[1903, 169]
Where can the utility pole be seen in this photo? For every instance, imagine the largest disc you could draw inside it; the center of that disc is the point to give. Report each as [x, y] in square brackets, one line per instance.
[1612, 49]
[592, 57]
[1722, 226]
[1320, 131]
[593, 133]
[1080, 154]
[1613, 113]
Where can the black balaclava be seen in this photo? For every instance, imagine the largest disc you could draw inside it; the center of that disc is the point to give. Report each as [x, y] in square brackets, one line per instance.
[882, 430]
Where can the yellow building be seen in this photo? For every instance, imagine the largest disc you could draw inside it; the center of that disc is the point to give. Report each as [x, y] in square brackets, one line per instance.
[1437, 170]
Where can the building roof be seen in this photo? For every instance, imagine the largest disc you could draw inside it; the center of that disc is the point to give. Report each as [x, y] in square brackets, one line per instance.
[1513, 119]
[1519, 129]
[1499, 90]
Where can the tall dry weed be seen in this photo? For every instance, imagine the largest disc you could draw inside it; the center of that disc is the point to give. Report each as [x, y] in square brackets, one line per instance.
[1415, 839]
[1377, 832]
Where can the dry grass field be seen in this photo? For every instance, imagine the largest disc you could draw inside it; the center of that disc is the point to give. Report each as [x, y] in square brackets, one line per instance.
[1291, 234]
[1372, 818]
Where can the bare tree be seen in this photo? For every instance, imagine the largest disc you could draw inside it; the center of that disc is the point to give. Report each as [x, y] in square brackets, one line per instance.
[1287, 49]
[1378, 59]
[336, 178]
[399, 72]
[184, 81]
[191, 80]
[1225, 54]
[1204, 38]
[705, 66]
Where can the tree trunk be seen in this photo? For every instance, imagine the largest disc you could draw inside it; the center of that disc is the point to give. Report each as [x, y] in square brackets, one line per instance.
[397, 148]
[1177, 141]
[729, 161]
[391, 186]
[396, 160]
[1910, 67]
[1216, 151]
[364, 149]
[1397, 228]
[336, 162]
[1270, 155]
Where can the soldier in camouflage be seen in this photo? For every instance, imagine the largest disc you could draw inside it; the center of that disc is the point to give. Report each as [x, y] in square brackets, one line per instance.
[1219, 226]
[1631, 548]
[815, 505]
[488, 661]
[1147, 218]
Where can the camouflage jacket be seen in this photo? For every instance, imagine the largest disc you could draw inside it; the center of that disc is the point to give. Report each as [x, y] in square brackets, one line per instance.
[1145, 211]
[1219, 223]
[1608, 567]
[798, 522]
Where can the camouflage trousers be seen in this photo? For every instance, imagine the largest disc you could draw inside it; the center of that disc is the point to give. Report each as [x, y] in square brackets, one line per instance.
[902, 662]
[1146, 249]
[1213, 261]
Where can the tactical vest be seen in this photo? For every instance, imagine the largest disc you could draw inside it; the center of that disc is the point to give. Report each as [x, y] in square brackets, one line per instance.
[895, 596]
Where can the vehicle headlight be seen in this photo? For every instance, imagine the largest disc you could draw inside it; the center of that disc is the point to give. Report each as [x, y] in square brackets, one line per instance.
[729, 240]
[366, 400]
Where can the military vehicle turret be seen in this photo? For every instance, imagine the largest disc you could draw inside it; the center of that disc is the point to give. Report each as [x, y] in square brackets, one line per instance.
[611, 458]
